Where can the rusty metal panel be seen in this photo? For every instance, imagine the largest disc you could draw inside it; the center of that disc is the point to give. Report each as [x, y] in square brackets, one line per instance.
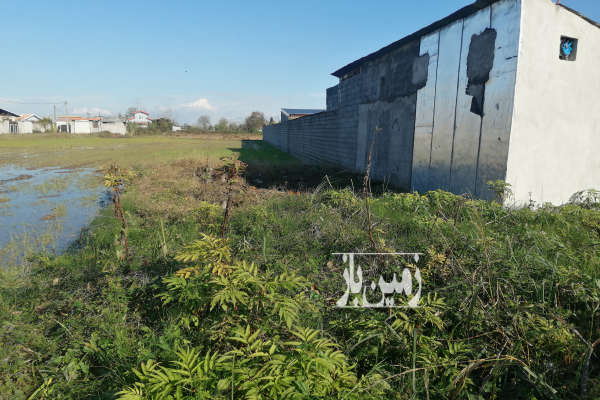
[445, 105]
[424, 116]
[499, 96]
[468, 124]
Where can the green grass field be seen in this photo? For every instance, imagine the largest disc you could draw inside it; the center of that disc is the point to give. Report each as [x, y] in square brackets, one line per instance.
[93, 151]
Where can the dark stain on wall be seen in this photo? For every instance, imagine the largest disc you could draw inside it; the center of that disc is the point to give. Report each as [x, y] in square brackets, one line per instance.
[407, 73]
[479, 64]
[399, 77]
[420, 71]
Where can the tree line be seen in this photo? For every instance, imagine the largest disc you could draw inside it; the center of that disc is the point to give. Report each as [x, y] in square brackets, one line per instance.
[253, 123]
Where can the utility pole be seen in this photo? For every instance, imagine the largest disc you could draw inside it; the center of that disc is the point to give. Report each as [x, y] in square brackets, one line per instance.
[54, 119]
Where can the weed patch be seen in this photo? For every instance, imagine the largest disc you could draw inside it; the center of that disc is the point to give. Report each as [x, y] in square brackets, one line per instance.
[510, 301]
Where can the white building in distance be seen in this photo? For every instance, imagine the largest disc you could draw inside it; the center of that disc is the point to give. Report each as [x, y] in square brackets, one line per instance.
[26, 123]
[8, 122]
[30, 123]
[114, 125]
[88, 125]
[79, 125]
[141, 118]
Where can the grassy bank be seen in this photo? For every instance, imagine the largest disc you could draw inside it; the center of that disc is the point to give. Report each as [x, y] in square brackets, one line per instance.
[509, 310]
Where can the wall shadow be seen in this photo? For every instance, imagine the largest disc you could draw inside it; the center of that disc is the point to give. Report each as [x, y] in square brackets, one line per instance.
[270, 168]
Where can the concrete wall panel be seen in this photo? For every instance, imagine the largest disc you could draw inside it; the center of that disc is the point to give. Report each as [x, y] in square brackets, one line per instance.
[388, 107]
[499, 97]
[333, 100]
[424, 116]
[445, 105]
[468, 124]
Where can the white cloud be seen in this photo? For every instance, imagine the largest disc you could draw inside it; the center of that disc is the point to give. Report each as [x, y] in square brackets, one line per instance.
[92, 111]
[199, 104]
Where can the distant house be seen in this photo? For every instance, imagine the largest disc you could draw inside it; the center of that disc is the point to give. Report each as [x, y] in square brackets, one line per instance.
[4, 113]
[115, 126]
[176, 128]
[8, 122]
[141, 118]
[29, 123]
[79, 125]
[293, 113]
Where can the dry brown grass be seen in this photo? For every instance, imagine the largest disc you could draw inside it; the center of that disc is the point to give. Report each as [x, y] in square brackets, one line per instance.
[176, 189]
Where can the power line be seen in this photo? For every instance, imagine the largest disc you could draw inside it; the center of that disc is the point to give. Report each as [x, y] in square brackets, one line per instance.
[53, 104]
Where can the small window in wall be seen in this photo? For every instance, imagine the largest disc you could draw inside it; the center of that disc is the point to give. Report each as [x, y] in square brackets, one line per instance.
[568, 48]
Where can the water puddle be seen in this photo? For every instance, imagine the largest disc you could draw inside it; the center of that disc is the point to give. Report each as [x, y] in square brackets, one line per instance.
[45, 208]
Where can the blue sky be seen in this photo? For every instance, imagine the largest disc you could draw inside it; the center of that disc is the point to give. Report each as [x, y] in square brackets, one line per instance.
[187, 58]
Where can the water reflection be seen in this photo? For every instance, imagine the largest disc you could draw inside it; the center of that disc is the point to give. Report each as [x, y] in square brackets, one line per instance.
[45, 208]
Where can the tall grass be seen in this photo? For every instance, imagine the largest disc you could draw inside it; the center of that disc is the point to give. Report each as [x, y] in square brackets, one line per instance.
[510, 308]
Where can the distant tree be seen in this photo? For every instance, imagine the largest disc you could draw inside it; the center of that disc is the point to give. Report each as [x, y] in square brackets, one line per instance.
[163, 124]
[271, 121]
[255, 121]
[233, 127]
[222, 126]
[204, 122]
[46, 123]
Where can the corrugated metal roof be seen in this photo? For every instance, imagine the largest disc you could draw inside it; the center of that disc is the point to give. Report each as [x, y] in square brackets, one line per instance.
[301, 111]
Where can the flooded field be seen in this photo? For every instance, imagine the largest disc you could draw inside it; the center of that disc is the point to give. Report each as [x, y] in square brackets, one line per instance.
[45, 208]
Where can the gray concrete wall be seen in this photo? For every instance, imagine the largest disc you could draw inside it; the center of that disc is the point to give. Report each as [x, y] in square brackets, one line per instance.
[441, 106]
[324, 138]
[381, 98]
[464, 113]
[556, 123]
[386, 113]
[332, 98]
